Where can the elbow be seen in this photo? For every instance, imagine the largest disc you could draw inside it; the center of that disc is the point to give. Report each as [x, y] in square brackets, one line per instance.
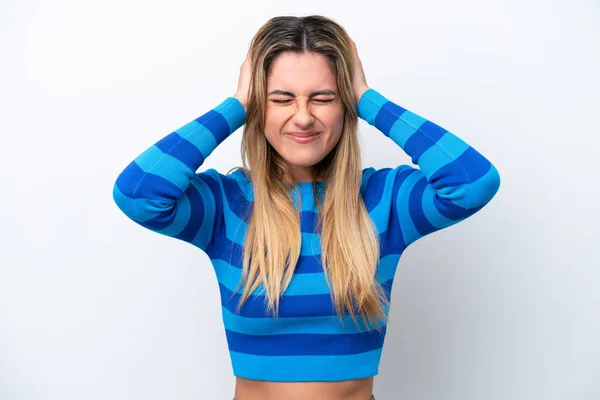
[492, 182]
[125, 203]
[485, 188]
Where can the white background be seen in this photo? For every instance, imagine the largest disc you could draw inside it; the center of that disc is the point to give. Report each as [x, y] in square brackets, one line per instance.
[503, 305]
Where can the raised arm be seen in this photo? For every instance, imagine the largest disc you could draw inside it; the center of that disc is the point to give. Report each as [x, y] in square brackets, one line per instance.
[160, 188]
[453, 180]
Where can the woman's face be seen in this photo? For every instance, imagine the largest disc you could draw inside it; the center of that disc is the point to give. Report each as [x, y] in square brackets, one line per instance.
[302, 99]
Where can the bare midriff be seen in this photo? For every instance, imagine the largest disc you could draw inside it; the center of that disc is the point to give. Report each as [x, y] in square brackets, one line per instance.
[356, 389]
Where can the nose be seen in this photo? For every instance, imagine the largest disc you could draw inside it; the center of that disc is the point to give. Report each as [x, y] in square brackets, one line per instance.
[303, 117]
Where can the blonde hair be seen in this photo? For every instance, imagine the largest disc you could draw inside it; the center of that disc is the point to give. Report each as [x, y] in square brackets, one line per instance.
[350, 246]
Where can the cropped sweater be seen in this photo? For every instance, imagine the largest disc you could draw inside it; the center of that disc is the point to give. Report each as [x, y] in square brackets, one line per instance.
[161, 190]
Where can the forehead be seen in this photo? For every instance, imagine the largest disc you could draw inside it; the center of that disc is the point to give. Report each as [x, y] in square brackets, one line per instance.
[299, 73]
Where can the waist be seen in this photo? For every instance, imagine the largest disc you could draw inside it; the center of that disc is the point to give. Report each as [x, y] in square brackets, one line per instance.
[355, 389]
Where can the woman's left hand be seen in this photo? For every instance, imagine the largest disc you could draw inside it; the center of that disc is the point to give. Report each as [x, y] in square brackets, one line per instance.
[359, 81]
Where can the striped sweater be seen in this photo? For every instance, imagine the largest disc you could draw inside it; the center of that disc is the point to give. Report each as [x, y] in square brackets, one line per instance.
[161, 190]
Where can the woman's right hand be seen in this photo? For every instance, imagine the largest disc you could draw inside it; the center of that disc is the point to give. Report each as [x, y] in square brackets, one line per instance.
[244, 82]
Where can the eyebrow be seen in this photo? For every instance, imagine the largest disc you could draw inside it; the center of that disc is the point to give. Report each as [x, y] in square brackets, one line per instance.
[317, 93]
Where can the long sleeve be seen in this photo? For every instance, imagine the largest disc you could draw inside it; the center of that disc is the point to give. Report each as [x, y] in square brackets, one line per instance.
[453, 180]
[160, 188]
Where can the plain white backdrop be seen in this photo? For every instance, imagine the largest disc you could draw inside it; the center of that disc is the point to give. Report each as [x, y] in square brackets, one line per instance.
[503, 305]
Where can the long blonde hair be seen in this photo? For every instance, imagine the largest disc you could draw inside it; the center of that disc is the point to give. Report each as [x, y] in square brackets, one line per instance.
[350, 246]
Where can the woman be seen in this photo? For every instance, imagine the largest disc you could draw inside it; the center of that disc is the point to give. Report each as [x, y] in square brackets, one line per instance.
[304, 242]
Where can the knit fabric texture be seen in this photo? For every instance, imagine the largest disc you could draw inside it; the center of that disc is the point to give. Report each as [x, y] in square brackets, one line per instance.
[161, 190]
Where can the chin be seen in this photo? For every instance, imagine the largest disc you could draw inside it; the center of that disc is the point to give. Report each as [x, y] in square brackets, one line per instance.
[303, 162]
[306, 158]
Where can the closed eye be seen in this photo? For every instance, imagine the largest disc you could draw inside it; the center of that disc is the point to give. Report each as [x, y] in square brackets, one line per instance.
[287, 101]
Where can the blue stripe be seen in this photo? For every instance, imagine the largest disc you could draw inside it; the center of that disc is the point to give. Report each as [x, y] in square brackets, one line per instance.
[128, 179]
[160, 221]
[387, 117]
[395, 239]
[426, 136]
[196, 215]
[412, 119]
[308, 221]
[126, 204]
[306, 368]
[210, 209]
[317, 305]
[233, 253]
[453, 174]
[233, 112]
[422, 224]
[366, 175]
[369, 104]
[478, 165]
[381, 215]
[216, 123]
[148, 159]
[181, 219]
[244, 184]
[200, 136]
[136, 183]
[304, 344]
[148, 189]
[374, 188]
[269, 326]
[294, 306]
[164, 167]
[401, 132]
[213, 229]
[446, 150]
[484, 189]
[182, 150]
[302, 284]
[303, 198]
[434, 209]
[236, 228]
[236, 198]
[403, 205]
